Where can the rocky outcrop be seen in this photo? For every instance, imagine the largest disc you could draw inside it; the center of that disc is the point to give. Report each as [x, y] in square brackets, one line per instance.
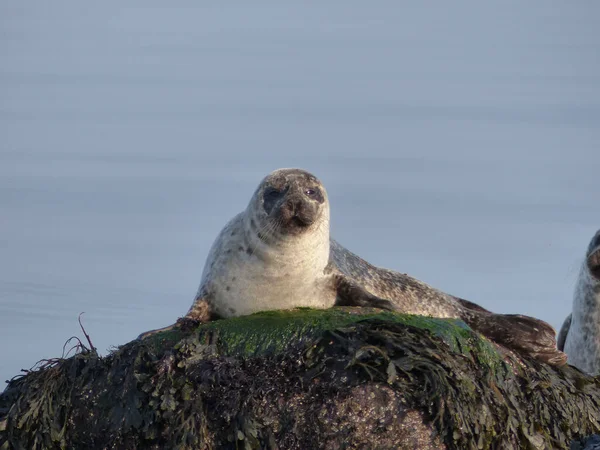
[302, 379]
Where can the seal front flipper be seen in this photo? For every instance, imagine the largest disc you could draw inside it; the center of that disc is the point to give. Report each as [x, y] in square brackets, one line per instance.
[349, 293]
[200, 312]
[147, 334]
[523, 334]
[562, 334]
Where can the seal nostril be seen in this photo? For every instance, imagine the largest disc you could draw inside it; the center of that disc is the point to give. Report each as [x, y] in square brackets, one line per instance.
[294, 205]
[290, 205]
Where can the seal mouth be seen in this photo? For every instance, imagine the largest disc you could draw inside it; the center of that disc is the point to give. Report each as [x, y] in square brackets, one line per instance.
[302, 221]
[297, 224]
[593, 263]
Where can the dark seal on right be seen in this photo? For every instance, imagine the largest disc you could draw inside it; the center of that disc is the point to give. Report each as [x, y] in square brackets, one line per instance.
[277, 254]
[579, 336]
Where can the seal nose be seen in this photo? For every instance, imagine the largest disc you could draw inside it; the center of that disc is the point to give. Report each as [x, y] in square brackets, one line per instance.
[294, 205]
[296, 209]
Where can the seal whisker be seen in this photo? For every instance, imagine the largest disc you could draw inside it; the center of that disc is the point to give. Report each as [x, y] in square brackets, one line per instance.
[265, 233]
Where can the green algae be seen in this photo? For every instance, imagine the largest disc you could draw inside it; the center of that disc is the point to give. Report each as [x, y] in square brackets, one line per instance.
[272, 332]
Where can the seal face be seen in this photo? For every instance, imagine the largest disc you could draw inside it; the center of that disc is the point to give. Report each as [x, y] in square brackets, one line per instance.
[579, 336]
[277, 254]
[292, 201]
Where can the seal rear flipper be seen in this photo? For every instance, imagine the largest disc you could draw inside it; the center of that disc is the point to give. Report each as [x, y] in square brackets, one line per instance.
[470, 305]
[349, 293]
[522, 334]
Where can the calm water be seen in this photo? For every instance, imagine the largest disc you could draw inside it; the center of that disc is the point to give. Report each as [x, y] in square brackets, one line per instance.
[458, 144]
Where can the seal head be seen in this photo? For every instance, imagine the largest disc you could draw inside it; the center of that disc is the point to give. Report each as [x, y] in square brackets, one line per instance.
[579, 336]
[289, 202]
[593, 257]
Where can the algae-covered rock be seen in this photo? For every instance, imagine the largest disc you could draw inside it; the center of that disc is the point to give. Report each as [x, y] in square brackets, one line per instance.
[302, 379]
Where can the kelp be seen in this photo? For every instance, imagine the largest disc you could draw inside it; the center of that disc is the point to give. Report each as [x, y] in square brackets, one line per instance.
[340, 378]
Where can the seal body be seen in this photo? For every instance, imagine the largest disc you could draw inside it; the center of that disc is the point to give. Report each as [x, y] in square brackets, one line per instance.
[277, 254]
[274, 254]
[410, 295]
[580, 335]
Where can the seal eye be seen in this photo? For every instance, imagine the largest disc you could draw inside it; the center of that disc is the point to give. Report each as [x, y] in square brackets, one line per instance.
[271, 193]
[314, 194]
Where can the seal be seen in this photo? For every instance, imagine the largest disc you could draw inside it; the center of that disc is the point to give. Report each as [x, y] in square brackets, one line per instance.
[278, 254]
[579, 336]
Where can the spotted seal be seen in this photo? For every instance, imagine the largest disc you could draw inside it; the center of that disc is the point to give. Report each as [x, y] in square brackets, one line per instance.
[277, 254]
[579, 336]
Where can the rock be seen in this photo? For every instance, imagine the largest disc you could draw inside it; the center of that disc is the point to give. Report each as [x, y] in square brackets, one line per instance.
[300, 379]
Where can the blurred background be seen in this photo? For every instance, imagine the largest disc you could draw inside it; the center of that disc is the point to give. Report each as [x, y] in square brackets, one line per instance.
[458, 143]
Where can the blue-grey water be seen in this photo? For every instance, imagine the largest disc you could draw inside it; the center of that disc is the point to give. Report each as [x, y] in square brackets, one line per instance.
[459, 143]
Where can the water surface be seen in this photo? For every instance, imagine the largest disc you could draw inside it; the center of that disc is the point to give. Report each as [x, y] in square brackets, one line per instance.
[458, 143]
